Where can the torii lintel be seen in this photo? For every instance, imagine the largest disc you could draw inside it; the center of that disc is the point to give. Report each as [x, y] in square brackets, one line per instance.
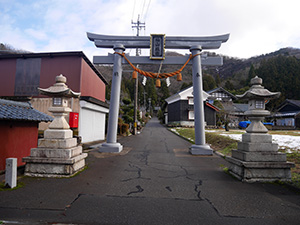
[172, 42]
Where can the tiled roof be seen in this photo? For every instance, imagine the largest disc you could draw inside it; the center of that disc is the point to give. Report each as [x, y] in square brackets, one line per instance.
[11, 110]
[295, 102]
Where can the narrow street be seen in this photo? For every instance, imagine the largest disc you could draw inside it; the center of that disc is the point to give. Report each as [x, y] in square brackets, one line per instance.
[153, 181]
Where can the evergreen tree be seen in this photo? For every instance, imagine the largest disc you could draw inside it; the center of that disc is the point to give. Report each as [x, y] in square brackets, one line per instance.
[218, 80]
[208, 82]
[229, 85]
[251, 74]
[185, 85]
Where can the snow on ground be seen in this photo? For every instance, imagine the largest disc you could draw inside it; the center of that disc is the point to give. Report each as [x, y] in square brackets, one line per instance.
[292, 143]
[284, 141]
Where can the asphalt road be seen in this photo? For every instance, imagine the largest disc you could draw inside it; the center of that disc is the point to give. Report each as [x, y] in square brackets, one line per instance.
[153, 181]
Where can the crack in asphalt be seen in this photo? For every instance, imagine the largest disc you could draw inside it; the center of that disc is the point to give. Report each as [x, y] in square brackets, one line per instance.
[198, 190]
[186, 175]
[169, 189]
[144, 157]
[139, 190]
[139, 173]
[214, 208]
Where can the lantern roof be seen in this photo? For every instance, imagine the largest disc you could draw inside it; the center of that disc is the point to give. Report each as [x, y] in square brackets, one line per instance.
[257, 91]
[59, 89]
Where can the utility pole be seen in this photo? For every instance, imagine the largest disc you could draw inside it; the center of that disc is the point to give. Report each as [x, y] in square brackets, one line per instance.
[138, 25]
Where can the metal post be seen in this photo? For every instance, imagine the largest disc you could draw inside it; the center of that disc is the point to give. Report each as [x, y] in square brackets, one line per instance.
[199, 148]
[135, 105]
[111, 145]
[138, 25]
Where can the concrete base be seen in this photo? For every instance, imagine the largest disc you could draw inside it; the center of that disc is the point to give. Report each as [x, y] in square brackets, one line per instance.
[201, 150]
[54, 167]
[111, 147]
[258, 159]
[260, 171]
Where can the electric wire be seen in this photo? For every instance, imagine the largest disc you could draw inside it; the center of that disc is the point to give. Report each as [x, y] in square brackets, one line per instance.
[146, 14]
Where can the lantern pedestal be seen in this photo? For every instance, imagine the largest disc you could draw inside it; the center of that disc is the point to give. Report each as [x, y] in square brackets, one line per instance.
[257, 158]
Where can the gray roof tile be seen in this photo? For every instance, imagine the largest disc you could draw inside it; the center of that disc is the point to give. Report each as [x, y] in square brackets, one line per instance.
[11, 110]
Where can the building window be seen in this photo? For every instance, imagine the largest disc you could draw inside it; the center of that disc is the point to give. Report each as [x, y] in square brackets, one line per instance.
[191, 101]
[191, 115]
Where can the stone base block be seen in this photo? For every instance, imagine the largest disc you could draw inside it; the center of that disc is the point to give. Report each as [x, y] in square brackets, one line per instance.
[259, 156]
[57, 143]
[201, 150]
[59, 134]
[260, 171]
[249, 146]
[257, 138]
[54, 167]
[56, 153]
[111, 147]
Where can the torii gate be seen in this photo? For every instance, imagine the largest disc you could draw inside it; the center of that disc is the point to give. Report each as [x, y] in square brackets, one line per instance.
[157, 44]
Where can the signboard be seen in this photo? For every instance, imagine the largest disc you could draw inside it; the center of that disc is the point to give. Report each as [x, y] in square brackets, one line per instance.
[157, 46]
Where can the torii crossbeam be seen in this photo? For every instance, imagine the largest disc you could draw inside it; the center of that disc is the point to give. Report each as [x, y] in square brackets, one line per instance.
[194, 44]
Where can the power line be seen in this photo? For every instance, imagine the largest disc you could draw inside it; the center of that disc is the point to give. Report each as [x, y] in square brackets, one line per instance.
[147, 10]
[143, 8]
[133, 10]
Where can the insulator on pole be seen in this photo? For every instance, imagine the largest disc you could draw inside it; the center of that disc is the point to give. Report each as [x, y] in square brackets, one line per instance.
[134, 75]
[179, 77]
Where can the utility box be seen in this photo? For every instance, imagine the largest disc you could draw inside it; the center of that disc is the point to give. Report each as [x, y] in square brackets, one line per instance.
[73, 119]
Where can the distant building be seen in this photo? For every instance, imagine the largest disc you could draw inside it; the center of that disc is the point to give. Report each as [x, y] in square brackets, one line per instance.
[287, 115]
[220, 94]
[22, 74]
[19, 130]
[180, 110]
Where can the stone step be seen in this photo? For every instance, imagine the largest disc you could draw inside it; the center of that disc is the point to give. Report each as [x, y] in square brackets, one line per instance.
[43, 167]
[57, 143]
[262, 156]
[254, 147]
[56, 153]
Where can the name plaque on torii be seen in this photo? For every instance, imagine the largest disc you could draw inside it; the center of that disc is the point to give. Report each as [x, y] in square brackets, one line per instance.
[194, 44]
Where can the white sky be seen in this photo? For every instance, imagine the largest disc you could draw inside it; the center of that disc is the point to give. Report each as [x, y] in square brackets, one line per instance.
[255, 26]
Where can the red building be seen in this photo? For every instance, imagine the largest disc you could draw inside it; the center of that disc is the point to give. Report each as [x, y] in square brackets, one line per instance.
[22, 74]
[18, 130]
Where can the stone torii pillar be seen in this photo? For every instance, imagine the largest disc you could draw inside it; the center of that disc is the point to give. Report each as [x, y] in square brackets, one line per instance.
[194, 44]
[199, 148]
[111, 145]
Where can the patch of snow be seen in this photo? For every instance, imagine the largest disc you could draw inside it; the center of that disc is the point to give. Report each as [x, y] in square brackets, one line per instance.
[284, 141]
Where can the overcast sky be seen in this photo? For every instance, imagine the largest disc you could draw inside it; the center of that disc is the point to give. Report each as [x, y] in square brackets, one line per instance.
[255, 26]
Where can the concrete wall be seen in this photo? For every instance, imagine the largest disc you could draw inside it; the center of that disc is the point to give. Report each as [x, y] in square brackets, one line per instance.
[92, 122]
[17, 138]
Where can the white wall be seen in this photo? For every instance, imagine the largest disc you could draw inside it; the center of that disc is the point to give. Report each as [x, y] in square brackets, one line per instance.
[91, 122]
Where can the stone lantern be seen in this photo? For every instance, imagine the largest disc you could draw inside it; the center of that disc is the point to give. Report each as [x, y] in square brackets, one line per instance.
[257, 96]
[57, 154]
[257, 158]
